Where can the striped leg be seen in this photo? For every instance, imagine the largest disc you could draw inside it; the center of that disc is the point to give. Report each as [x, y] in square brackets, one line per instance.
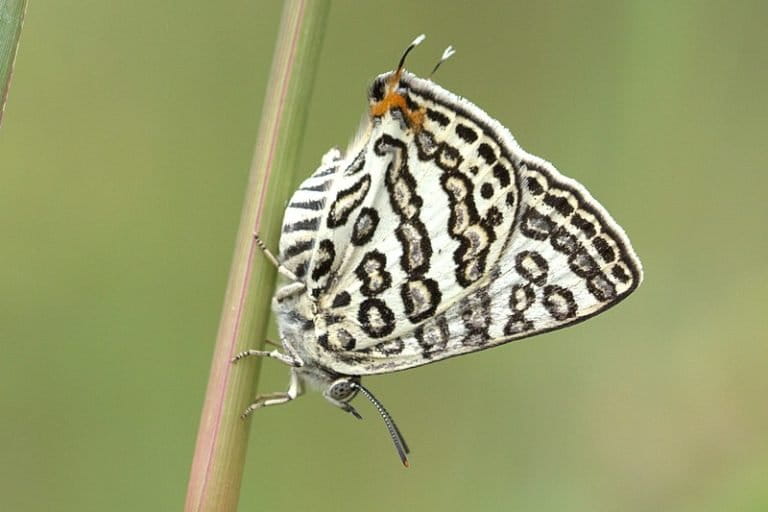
[273, 259]
[291, 359]
[294, 390]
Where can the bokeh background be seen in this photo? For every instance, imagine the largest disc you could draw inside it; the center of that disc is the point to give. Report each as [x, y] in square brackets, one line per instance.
[123, 160]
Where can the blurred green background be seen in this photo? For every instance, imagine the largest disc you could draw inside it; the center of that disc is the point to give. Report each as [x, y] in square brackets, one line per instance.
[123, 160]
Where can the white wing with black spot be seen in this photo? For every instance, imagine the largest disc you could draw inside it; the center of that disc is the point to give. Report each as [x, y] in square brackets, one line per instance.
[437, 235]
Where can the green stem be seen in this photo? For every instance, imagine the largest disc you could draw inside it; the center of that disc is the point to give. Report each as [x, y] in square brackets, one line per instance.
[219, 458]
[11, 21]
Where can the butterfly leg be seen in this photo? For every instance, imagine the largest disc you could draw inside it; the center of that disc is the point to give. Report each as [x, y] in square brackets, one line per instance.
[294, 390]
[291, 358]
[288, 359]
[273, 259]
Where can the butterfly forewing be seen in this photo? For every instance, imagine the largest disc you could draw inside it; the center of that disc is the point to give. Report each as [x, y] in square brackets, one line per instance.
[430, 241]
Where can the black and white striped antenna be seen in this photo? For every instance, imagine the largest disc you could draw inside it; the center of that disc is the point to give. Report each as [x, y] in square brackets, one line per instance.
[394, 432]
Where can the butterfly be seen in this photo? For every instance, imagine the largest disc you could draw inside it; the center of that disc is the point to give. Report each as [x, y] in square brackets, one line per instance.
[433, 235]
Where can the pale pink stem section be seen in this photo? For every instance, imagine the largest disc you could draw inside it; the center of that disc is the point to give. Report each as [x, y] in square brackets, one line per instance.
[217, 466]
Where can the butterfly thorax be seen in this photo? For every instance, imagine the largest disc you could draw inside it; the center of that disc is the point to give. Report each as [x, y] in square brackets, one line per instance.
[295, 311]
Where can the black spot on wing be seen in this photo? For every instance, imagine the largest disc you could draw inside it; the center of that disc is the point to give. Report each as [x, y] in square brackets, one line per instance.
[559, 203]
[320, 187]
[534, 186]
[584, 225]
[301, 269]
[298, 248]
[412, 105]
[326, 253]
[341, 300]
[582, 264]
[536, 225]
[620, 274]
[375, 318]
[559, 302]
[502, 174]
[487, 152]
[603, 249]
[563, 241]
[303, 225]
[438, 117]
[315, 204]
[466, 133]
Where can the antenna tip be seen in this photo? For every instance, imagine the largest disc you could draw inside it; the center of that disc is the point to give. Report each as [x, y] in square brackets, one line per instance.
[418, 40]
[448, 52]
[406, 463]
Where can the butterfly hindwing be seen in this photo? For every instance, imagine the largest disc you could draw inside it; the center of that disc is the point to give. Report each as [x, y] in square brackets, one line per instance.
[304, 216]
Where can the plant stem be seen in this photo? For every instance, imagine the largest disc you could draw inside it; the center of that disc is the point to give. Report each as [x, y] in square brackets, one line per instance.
[217, 467]
[11, 21]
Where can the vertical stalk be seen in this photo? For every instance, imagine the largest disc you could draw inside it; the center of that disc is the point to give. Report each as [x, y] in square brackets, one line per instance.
[217, 467]
[11, 21]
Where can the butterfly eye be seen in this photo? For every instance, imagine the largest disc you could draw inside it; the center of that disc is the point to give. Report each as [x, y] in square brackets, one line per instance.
[378, 89]
[342, 389]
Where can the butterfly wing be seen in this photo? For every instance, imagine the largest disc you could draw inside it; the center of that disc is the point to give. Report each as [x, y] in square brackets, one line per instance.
[304, 220]
[440, 236]
[540, 284]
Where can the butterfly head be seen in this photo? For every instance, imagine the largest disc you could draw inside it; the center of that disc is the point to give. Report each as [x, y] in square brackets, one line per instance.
[390, 93]
[344, 389]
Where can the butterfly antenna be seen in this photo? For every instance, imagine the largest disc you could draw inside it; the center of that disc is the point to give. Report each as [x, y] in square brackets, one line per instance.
[416, 42]
[394, 432]
[446, 55]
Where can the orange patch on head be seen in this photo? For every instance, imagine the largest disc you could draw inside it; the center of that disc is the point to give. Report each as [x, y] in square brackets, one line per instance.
[392, 100]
